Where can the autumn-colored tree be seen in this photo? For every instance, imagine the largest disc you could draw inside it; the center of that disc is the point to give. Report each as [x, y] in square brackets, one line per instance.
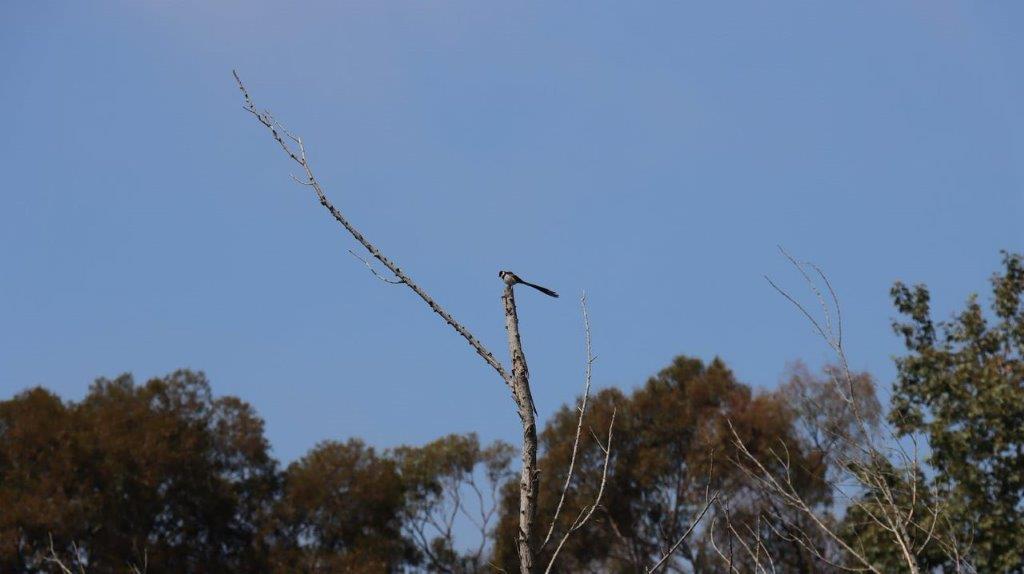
[167, 478]
[801, 432]
[961, 386]
[825, 419]
[831, 431]
[161, 474]
[38, 496]
[341, 511]
[673, 446]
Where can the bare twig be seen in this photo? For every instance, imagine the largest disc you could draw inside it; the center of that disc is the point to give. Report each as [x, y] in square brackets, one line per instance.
[714, 545]
[869, 465]
[790, 496]
[671, 551]
[587, 512]
[374, 271]
[53, 558]
[145, 564]
[582, 408]
[814, 288]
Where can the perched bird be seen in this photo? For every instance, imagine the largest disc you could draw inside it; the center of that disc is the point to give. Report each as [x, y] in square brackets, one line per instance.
[511, 278]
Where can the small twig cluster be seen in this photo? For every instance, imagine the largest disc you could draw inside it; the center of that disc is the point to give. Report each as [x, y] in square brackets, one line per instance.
[879, 477]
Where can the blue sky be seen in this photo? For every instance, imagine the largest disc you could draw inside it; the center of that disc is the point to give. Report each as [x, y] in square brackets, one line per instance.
[652, 154]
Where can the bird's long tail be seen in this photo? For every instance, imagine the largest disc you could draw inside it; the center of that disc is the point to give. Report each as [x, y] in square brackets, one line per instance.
[543, 290]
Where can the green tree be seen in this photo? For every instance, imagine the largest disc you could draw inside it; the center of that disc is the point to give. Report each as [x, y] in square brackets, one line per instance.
[861, 529]
[446, 480]
[961, 385]
[162, 474]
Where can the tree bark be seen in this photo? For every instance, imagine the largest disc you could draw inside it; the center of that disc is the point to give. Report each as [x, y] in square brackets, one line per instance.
[524, 400]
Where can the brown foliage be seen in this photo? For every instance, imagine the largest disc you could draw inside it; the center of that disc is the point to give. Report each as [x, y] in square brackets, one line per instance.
[673, 445]
[160, 473]
[340, 511]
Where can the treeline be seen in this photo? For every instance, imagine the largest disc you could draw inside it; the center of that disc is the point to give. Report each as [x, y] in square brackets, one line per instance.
[166, 474]
[166, 477]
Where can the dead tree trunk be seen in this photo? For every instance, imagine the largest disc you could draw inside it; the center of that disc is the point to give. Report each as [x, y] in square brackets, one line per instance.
[530, 474]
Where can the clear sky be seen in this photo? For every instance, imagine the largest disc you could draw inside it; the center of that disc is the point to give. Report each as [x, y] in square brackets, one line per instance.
[653, 154]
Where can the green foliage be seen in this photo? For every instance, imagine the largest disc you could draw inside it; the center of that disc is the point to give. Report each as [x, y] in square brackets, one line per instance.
[450, 477]
[961, 385]
[861, 528]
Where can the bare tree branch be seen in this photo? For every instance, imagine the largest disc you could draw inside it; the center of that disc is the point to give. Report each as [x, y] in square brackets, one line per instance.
[870, 466]
[53, 558]
[789, 494]
[297, 152]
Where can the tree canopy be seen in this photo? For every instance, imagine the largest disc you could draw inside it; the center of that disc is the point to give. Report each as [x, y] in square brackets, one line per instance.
[674, 445]
[161, 474]
[961, 386]
[166, 477]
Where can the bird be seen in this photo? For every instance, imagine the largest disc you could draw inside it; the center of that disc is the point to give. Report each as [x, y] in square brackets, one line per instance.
[511, 278]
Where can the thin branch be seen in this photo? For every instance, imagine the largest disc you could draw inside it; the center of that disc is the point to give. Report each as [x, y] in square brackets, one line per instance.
[297, 152]
[802, 309]
[693, 525]
[790, 496]
[586, 513]
[54, 559]
[374, 271]
[579, 424]
[714, 545]
[145, 564]
[814, 288]
[835, 301]
[746, 547]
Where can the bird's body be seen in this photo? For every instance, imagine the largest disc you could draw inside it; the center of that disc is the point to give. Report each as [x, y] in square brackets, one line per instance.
[511, 278]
